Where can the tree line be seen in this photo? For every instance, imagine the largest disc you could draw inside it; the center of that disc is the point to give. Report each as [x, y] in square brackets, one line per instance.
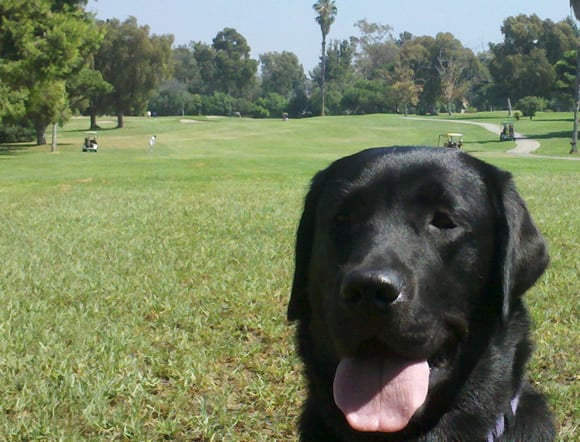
[57, 60]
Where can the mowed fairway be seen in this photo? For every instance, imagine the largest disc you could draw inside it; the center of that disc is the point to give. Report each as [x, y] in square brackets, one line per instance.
[144, 294]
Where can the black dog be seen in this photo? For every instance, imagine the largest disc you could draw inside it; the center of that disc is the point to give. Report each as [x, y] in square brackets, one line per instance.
[411, 264]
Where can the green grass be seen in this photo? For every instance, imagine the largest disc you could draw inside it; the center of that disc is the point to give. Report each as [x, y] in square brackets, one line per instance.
[552, 129]
[144, 293]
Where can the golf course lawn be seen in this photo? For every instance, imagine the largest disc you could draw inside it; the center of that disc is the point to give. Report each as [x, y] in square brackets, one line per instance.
[144, 293]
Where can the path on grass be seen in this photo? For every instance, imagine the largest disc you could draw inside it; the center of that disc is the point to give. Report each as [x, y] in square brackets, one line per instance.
[524, 145]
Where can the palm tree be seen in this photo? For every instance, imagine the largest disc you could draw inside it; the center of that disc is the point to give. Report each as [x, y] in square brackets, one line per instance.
[326, 10]
[575, 5]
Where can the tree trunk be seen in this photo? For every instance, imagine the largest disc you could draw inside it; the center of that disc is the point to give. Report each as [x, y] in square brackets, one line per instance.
[53, 144]
[575, 4]
[94, 124]
[40, 136]
[120, 122]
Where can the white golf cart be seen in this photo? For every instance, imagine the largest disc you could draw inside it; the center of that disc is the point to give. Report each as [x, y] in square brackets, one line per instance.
[90, 144]
[451, 139]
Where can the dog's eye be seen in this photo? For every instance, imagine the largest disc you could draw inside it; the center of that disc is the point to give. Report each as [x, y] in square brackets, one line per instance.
[442, 220]
[341, 219]
[351, 214]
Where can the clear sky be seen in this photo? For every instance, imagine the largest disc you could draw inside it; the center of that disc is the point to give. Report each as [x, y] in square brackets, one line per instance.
[289, 25]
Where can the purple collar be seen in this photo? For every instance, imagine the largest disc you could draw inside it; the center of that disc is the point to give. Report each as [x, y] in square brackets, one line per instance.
[500, 426]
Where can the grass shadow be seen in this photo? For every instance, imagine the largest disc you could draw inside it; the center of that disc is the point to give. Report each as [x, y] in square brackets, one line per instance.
[482, 117]
[550, 120]
[99, 129]
[545, 136]
[482, 142]
[12, 149]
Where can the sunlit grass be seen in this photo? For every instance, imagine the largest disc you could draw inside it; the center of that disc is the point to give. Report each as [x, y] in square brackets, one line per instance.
[144, 293]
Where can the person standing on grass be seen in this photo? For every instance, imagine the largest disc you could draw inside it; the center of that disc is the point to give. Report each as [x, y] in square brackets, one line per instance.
[152, 142]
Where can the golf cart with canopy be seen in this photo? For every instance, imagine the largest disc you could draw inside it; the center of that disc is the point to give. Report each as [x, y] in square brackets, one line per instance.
[90, 144]
[507, 131]
[451, 139]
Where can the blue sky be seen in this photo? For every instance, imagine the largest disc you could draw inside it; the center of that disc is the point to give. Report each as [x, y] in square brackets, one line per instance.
[290, 26]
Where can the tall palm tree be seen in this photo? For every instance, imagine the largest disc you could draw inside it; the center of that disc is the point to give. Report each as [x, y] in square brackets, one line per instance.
[575, 5]
[326, 10]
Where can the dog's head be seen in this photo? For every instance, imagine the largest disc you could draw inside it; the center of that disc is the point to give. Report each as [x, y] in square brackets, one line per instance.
[398, 252]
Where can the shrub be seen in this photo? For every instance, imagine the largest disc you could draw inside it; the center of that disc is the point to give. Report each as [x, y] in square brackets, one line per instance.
[260, 112]
[16, 132]
[218, 104]
[530, 105]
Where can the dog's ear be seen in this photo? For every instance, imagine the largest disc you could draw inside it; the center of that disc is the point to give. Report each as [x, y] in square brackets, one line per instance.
[298, 307]
[523, 249]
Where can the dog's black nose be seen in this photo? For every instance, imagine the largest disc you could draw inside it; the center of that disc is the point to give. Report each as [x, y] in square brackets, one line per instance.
[378, 289]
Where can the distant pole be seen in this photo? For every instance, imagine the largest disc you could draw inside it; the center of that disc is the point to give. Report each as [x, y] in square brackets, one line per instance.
[575, 5]
[574, 143]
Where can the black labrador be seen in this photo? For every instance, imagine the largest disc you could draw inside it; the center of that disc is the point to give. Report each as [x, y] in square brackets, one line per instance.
[411, 264]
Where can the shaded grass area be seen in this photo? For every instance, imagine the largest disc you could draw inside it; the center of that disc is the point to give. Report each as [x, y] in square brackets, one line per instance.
[144, 294]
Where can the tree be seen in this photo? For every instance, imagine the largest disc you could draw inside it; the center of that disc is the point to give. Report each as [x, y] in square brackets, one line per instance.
[134, 63]
[377, 51]
[224, 66]
[480, 94]
[530, 105]
[326, 10]
[558, 38]
[173, 98]
[272, 104]
[523, 64]
[566, 77]
[339, 76]
[282, 73]
[453, 64]
[366, 96]
[88, 83]
[339, 63]
[450, 70]
[205, 57]
[575, 5]
[404, 90]
[420, 55]
[235, 71]
[43, 44]
[11, 102]
[186, 69]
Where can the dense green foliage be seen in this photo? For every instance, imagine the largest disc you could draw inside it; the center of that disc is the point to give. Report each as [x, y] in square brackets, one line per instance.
[133, 63]
[56, 61]
[377, 72]
[525, 61]
[529, 106]
[43, 44]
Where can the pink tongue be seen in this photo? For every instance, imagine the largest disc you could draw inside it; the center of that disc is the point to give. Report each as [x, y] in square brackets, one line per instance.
[380, 395]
